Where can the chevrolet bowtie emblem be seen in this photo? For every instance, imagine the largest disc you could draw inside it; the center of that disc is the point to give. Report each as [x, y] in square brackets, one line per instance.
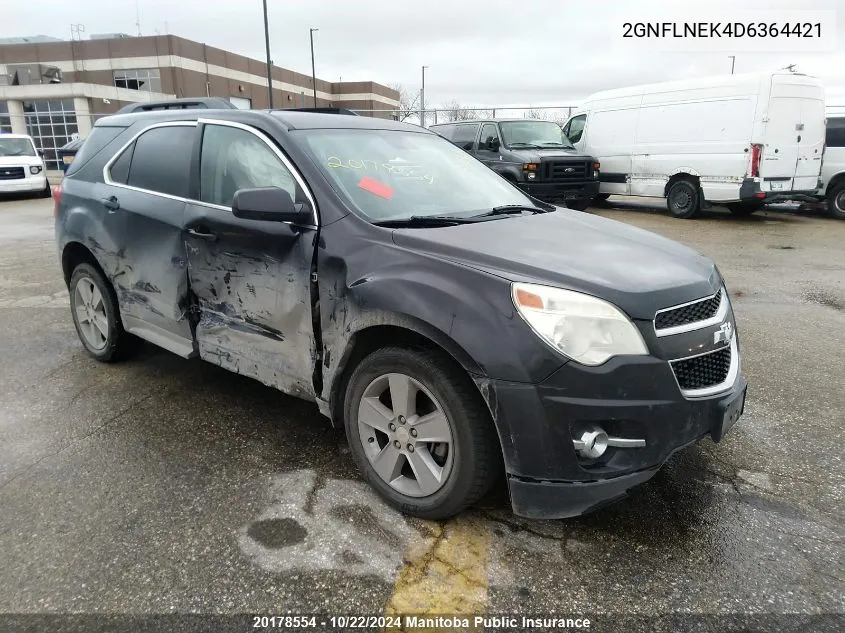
[724, 333]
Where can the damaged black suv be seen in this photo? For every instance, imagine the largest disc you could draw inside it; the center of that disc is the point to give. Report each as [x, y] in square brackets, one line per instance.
[454, 326]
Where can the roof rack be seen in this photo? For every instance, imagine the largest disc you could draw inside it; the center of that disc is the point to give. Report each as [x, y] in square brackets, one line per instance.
[207, 103]
[323, 110]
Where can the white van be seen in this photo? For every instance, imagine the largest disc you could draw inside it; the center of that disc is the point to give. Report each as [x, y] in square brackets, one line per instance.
[737, 140]
[833, 166]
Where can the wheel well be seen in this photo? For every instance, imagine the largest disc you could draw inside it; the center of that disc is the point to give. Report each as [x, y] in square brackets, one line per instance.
[369, 340]
[75, 254]
[682, 176]
[509, 177]
[835, 181]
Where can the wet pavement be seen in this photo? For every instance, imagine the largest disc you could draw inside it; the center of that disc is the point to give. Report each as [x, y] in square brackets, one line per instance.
[163, 485]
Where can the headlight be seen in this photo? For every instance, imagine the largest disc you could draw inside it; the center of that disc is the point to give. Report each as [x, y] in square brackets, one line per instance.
[584, 328]
[35, 169]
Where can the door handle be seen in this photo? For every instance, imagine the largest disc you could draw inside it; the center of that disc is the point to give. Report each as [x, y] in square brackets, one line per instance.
[111, 203]
[211, 237]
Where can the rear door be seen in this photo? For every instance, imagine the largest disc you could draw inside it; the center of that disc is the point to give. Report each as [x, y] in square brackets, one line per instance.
[251, 279]
[794, 135]
[143, 198]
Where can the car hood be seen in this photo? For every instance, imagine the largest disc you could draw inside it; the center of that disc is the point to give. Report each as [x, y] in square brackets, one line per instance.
[634, 269]
[17, 161]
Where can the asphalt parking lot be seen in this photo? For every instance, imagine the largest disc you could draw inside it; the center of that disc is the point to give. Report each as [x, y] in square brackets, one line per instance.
[162, 485]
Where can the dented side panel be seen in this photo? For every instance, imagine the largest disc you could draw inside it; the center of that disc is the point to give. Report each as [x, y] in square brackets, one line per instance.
[251, 286]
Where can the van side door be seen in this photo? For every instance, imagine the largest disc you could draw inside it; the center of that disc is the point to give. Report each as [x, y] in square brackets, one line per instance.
[251, 279]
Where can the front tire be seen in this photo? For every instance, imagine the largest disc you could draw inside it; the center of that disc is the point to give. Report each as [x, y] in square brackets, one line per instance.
[95, 313]
[419, 432]
[577, 205]
[683, 198]
[836, 201]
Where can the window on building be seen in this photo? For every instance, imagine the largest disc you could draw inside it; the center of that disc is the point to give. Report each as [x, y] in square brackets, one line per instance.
[51, 124]
[5, 119]
[161, 160]
[235, 159]
[144, 79]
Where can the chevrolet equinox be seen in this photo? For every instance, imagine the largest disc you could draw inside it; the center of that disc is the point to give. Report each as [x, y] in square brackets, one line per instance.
[454, 326]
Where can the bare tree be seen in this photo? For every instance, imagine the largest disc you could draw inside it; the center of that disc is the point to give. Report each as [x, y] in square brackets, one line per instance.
[535, 113]
[408, 103]
[454, 111]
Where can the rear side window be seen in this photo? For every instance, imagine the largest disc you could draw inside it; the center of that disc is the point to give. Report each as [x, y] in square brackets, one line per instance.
[119, 171]
[835, 132]
[161, 160]
[99, 137]
[464, 136]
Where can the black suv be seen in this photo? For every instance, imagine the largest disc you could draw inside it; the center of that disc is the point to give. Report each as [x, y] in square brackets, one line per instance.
[454, 326]
[534, 155]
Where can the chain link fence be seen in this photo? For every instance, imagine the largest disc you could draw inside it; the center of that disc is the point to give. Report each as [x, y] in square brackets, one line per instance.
[441, 114]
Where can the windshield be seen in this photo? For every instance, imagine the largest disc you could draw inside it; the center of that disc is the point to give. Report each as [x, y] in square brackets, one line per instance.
[533, 134]
[16, 147]
[395, 175]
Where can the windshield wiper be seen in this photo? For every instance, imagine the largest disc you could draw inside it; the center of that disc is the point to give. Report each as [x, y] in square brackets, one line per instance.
[521, 144]
[426, 220]
[556, 144]
[510, 209]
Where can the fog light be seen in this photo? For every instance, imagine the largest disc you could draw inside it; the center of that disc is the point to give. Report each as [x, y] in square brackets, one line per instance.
[593, 442]
[35, 169]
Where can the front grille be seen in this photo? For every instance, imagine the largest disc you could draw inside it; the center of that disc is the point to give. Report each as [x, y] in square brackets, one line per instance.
[564, 171]
[703, 371]
[698, 311]
[11, 173]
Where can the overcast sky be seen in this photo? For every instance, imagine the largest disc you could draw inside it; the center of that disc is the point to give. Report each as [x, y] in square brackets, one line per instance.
[479, 52]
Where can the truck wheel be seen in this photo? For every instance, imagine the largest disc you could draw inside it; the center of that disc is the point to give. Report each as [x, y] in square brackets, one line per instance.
[577, 205]
[419, 432]
[96, 317]
[683, 198]
[836, 201]
[602, 197]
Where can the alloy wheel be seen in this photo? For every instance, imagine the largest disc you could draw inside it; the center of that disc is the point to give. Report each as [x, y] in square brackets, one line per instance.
[406, 435]
[91, 313]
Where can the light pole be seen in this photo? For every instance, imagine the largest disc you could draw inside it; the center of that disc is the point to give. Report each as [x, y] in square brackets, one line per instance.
[313, 73]
[269, 63]
[733, 61]
[422, 98]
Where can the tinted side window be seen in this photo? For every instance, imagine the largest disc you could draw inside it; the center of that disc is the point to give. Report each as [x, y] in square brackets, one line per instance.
[489, 132]
[446, 131]
[464, 136]
[119, 171]
[576, 128]
[235, 159]
[835, 132]
[162, 160]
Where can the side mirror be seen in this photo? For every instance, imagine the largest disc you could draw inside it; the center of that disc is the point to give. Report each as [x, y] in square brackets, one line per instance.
[493, 144]
[270, 204]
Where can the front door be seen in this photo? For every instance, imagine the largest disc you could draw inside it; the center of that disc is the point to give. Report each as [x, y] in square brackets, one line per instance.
[491, 158]
[251, 278]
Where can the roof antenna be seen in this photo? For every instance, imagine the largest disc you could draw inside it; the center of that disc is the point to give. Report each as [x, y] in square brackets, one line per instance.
[790, 68]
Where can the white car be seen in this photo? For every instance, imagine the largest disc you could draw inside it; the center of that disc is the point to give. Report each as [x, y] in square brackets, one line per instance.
[21, 167]
[833, 167]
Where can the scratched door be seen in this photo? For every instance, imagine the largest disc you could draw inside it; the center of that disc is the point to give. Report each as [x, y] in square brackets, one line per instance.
[251, 278]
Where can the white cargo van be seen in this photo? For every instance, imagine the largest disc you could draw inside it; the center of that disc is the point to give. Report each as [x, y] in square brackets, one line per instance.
[833, 166]
[737, 140]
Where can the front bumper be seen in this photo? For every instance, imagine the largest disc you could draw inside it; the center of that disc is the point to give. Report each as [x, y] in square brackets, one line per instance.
[554, 191]
[31, 183]
[631, 397]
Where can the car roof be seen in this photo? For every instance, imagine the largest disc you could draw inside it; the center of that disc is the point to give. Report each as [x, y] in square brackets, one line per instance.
[292, 120]
[490, 121]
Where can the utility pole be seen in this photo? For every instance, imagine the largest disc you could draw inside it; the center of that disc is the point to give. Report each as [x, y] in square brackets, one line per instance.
[733, 62]
[269, 63]
[313, 73]
[422, 98]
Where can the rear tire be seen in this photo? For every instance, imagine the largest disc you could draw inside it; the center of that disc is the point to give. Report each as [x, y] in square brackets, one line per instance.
[96, 316]
[836, 201]
[378, 412]
[683, 198]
